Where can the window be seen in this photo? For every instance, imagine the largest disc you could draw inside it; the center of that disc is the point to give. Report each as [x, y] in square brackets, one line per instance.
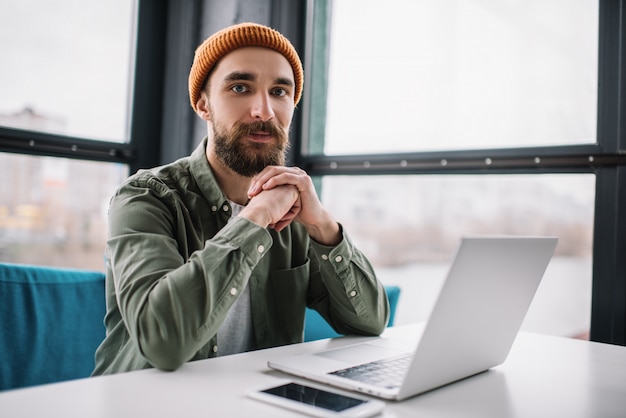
[410, 226]
[67, 67]
[433, 120]
[406, 75]
[54, 210]
[66, 98]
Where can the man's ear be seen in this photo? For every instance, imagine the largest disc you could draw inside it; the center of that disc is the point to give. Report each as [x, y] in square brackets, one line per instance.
[202, 107]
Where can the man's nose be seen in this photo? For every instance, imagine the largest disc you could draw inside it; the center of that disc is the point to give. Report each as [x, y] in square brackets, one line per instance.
[262, 108]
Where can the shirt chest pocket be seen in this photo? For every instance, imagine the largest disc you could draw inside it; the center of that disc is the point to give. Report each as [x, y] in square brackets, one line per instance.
[287, 295]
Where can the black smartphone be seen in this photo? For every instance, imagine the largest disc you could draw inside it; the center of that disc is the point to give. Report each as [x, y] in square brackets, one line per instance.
[317, 401]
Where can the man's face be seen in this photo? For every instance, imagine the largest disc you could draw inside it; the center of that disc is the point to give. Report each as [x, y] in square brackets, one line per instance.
[250, 102]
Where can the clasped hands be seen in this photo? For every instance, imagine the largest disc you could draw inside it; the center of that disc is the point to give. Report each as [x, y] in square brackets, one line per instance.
[280, 195]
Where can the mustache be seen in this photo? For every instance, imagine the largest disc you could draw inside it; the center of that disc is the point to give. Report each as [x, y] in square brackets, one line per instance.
[241, 128]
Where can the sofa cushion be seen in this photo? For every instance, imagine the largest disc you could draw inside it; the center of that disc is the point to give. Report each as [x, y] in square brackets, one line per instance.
[52, 323]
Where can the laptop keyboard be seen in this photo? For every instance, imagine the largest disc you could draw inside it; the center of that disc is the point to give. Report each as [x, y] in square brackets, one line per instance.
[387, 373]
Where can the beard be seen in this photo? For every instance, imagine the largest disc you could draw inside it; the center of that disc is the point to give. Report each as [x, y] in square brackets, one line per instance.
[248, 158]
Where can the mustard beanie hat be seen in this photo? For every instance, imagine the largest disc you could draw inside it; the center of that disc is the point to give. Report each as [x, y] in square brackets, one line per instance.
[221, 43]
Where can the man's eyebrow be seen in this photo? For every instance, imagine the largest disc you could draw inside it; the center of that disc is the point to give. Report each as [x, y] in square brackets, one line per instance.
[284, 81]
[245, 76]
[240, 76]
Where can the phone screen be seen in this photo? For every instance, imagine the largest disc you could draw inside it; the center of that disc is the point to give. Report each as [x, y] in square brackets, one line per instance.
[317, 397]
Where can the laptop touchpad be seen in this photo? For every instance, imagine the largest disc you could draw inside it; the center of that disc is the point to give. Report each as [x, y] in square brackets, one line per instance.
[357, 354]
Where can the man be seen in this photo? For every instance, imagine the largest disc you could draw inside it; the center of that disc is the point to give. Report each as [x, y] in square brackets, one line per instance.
[220, 252]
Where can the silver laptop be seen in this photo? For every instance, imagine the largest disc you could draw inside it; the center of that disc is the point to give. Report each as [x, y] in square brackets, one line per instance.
[471, 327]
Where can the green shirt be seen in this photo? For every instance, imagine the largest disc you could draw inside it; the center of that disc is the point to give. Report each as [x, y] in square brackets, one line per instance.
[175, 266]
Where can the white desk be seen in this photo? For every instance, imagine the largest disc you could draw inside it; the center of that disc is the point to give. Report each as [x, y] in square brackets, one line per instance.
[544, 376]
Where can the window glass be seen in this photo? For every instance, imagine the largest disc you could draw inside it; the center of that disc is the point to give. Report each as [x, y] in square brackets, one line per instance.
[66, 66]
[410, 226]
[53, 211]
[407, 75]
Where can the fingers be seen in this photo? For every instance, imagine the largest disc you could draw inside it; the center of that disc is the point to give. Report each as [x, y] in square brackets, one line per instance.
[280, 204]
[273, 176]
[289, 217]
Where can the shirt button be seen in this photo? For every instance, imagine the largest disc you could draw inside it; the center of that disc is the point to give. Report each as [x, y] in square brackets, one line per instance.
[225, 208]
[260, 248]
[233, 291]
[338, 259]
[215, 349]
[324, 257]
[213, 208]
[353, 293]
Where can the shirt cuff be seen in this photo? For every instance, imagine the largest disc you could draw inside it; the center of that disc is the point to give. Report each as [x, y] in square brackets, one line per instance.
[338, 257]
[252, 239]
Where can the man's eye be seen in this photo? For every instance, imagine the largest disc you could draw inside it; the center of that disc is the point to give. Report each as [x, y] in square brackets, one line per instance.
[239, 88]
[279, 91]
